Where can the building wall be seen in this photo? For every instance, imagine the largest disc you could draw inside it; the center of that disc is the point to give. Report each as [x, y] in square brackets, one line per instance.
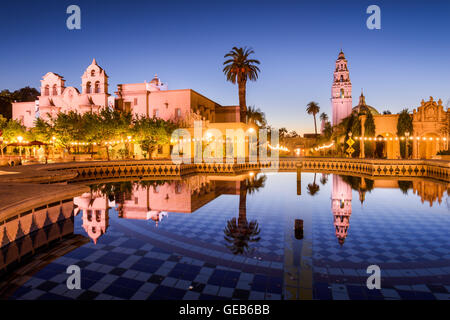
[24, 112]
[431, 127]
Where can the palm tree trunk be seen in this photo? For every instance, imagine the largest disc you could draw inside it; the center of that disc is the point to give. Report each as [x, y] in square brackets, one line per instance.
[315, 124]
[242, 102]
[107, 152]
[242, 203]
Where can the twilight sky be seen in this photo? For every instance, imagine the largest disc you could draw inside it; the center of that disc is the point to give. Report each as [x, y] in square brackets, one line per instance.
[184, 42]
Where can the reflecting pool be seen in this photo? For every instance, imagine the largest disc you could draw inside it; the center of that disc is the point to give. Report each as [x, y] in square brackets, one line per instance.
[252, 236]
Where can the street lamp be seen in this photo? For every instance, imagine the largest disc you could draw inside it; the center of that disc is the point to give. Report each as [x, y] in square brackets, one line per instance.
[53, 147]
[407, 137]
[20, 138]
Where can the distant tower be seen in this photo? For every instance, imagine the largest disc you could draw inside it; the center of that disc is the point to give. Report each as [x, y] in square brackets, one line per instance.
[341, 91]
[341, 205]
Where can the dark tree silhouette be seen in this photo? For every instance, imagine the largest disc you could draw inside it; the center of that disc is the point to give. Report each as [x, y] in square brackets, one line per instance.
[240, 232]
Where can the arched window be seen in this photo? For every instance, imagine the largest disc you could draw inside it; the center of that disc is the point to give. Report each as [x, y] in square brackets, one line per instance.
[342, 93]
[342, 78]
[97, 87]
[88, 87]
[92, 73]
[47, 90]
[55, 91]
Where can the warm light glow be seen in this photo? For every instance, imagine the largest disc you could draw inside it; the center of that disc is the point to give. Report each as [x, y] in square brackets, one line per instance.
[20, 138]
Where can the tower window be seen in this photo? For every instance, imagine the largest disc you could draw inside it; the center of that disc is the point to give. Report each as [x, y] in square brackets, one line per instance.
[342, 93]
[55, 91]
[342, 78]
[47, 90]
[97, 87]
[92, 73]
[177, 113]
[88, 87]
[135, 101]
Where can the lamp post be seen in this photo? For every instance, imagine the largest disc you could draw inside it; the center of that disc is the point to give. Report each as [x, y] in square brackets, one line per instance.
[53, 147]
[406, 151]
[20, 138]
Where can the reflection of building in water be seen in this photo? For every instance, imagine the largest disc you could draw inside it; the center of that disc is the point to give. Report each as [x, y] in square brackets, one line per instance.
[429, 191]
[152, 200]
[95, 207]
[341, 205]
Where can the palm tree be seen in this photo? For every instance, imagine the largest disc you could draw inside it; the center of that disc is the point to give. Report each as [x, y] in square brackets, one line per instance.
[324, 117]
[240, 232]
[238, 69]
[313, 188]
[256, 116]
[313, 108]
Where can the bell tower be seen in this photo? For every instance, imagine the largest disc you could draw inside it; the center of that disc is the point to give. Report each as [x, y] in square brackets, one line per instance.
[341, 91]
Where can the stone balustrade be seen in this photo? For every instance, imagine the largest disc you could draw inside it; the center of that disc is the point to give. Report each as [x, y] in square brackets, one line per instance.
[85, 171]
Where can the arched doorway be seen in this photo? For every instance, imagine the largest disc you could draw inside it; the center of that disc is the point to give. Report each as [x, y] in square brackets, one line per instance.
[429, 145]
[380, 147]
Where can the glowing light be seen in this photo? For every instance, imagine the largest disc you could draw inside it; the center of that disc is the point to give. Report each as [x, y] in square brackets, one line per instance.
[20, 138]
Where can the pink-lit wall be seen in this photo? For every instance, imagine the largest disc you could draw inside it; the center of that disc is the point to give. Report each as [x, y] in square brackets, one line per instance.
[24, 112]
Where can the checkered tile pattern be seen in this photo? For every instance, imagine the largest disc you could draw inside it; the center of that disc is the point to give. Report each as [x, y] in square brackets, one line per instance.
[186, 258]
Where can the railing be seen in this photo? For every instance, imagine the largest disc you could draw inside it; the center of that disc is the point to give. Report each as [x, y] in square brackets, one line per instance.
[436, 169]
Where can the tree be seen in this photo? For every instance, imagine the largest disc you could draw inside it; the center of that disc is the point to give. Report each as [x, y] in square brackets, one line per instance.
[313, 188]
[324, 117]
[67, 128]
[151, 132]
[283, 133]
[324, 179]
[256, 116]
[240, 232]
[369, 131]
[328, 130]
[42, 130]
[387, 112]
[292, 134]
[313, 108]
[239, 68]
[20, 95]
[404, 124]
[14, 129]
[111, 124]
[3, 124]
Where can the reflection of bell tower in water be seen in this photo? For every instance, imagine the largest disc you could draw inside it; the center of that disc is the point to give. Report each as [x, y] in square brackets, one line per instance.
[341, 205]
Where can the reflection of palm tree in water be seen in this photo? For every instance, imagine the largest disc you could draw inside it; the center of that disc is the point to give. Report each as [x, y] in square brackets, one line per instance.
[240, 232]
[324, 179]
[313, 188]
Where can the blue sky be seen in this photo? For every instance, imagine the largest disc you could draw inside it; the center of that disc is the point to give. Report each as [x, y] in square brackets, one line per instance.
[184, 42]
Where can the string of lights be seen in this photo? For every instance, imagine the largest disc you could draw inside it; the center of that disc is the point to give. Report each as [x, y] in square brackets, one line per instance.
[399, 138]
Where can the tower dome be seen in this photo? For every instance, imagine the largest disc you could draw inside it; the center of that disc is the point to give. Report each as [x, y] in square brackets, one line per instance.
[362, 107]
[155, 80]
